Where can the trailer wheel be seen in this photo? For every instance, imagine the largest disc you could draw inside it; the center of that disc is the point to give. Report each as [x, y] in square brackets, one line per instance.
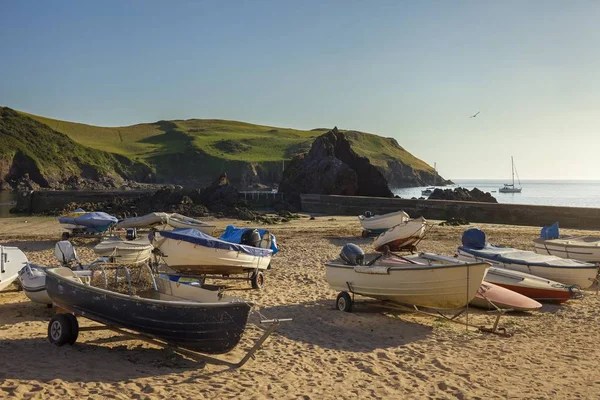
[258, 280]
[344, 302]
[364, 233]
[59, 330]
[74, 328]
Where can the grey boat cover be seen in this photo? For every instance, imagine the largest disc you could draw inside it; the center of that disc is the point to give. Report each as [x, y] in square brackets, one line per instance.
[509, 255]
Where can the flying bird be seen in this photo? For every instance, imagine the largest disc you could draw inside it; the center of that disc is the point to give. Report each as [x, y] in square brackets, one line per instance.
[474, 115]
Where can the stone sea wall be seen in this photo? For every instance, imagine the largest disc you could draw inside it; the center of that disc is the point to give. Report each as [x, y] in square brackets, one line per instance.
[511, 214]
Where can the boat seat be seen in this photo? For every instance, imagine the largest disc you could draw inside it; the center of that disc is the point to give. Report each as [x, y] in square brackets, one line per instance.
[372, 269]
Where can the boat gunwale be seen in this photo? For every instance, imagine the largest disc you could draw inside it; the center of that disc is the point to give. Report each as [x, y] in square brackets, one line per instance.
[186, 304]
[515, 262]
[413, 267]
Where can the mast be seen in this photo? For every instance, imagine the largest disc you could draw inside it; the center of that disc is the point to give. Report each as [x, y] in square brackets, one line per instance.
[434, 173]
[512, 167]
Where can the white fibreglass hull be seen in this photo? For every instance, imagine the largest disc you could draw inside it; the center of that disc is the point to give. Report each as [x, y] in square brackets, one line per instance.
[406, 234]
[185, 257]
[125, 251]
[439, 287]
[12, 259]
[580, 276]
[576, 248]
[181, 221]
[381, 223]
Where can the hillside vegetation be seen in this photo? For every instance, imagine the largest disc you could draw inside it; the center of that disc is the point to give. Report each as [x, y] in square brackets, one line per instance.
[193, 151]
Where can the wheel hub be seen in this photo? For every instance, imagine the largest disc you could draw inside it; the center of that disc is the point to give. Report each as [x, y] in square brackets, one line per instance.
[56, 330]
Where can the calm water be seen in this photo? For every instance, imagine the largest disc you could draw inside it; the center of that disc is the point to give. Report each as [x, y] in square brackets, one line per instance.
[551, 193]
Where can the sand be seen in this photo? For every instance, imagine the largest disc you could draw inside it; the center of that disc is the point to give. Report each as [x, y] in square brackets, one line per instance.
[323, 353]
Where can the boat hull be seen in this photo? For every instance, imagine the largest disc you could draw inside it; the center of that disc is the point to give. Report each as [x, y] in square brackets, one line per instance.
[402, 236]
[582, 277]
[381, 223]
[531, 286]
[185, 257]
[585, 249]
[181, 221]
[214, 327]
[125, 251]
[502, 298]
[12, 260]
[439, 287]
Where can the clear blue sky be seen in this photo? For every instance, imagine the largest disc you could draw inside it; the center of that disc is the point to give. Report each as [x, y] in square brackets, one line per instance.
[414, 71]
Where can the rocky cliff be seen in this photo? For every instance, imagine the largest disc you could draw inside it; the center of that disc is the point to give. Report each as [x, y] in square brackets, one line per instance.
[333, 167]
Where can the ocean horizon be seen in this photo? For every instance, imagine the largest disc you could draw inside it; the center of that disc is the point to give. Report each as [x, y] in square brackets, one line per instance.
[567, 193]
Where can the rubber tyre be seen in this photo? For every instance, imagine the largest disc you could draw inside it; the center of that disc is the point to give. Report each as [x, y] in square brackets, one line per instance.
[344, 302]
[74, 329]
[59, 330]
[258, 280]
[364, 234]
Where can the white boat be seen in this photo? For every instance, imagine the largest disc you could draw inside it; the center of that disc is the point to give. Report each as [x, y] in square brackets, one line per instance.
[582, 248]
[12, 259]
[510, 187]
[426, 280]
[381, 223]
[155, 219]
[403, 236]
[568, 272]
[181, 221]
[32, 278]
[122, 251]
[190, 251]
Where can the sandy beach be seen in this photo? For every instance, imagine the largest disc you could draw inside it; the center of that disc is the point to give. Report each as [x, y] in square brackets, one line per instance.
[322, 353]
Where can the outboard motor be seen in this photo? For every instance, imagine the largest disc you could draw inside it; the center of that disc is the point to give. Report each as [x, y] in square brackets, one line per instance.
[131, 234]
[65, 253]
[352, 254]
[250, 237]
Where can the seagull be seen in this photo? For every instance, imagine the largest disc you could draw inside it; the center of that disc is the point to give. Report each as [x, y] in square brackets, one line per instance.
[474, 115]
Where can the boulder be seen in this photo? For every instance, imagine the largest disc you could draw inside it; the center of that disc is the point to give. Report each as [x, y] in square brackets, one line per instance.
[332, 167]
[462, 194]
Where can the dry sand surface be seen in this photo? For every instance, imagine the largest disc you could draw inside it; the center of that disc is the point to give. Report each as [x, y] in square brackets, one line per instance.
[323, 353]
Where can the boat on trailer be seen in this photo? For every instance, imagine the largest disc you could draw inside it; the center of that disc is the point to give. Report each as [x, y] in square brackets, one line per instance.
[123, 251]
[403, 236]
[376, 224]
[575, 247]
[81, 223]
[12, 260]
[189, 251]
[568, 272]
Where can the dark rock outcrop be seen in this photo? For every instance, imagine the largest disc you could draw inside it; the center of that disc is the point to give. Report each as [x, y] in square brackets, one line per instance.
[332, 167]
[462, 194]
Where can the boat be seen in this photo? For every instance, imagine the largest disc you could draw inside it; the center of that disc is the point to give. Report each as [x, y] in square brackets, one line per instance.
[32, 278]
[124, 251]
[155, 219]
[491, 296]
[181, 315]
[425, 280]
[576, 247]
[81, 222]
[510, 187]
[193, 252]
[12, 260]
[234, 234]
[381, 223]
[403, 236]
[181, 221]
[532, 286]
[568, 272]
[429, 190]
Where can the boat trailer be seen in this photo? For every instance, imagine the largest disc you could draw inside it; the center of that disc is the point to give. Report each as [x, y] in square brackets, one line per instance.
[344, 302]
[64, 328]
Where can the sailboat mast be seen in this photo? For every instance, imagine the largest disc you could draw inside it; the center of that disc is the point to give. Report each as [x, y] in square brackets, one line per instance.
[434, 173]
[512, 166]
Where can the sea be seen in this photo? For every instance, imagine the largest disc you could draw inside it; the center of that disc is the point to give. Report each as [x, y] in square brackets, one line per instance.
[539, 192]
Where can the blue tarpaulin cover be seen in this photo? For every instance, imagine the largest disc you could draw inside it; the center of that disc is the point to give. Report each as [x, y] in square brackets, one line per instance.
[234, 235]
[474, 238]
[550, 232]
[191, 235]
[509, 255]
[96, 221]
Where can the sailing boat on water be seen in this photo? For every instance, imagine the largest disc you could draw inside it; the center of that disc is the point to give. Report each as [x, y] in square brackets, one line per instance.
[510, 187]
[430, 189]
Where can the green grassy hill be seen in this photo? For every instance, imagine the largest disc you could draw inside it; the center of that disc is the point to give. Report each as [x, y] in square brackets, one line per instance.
[193, 151]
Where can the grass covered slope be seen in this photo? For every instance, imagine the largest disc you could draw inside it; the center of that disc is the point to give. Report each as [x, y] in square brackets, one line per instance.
[50, 157]
[193, 151]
